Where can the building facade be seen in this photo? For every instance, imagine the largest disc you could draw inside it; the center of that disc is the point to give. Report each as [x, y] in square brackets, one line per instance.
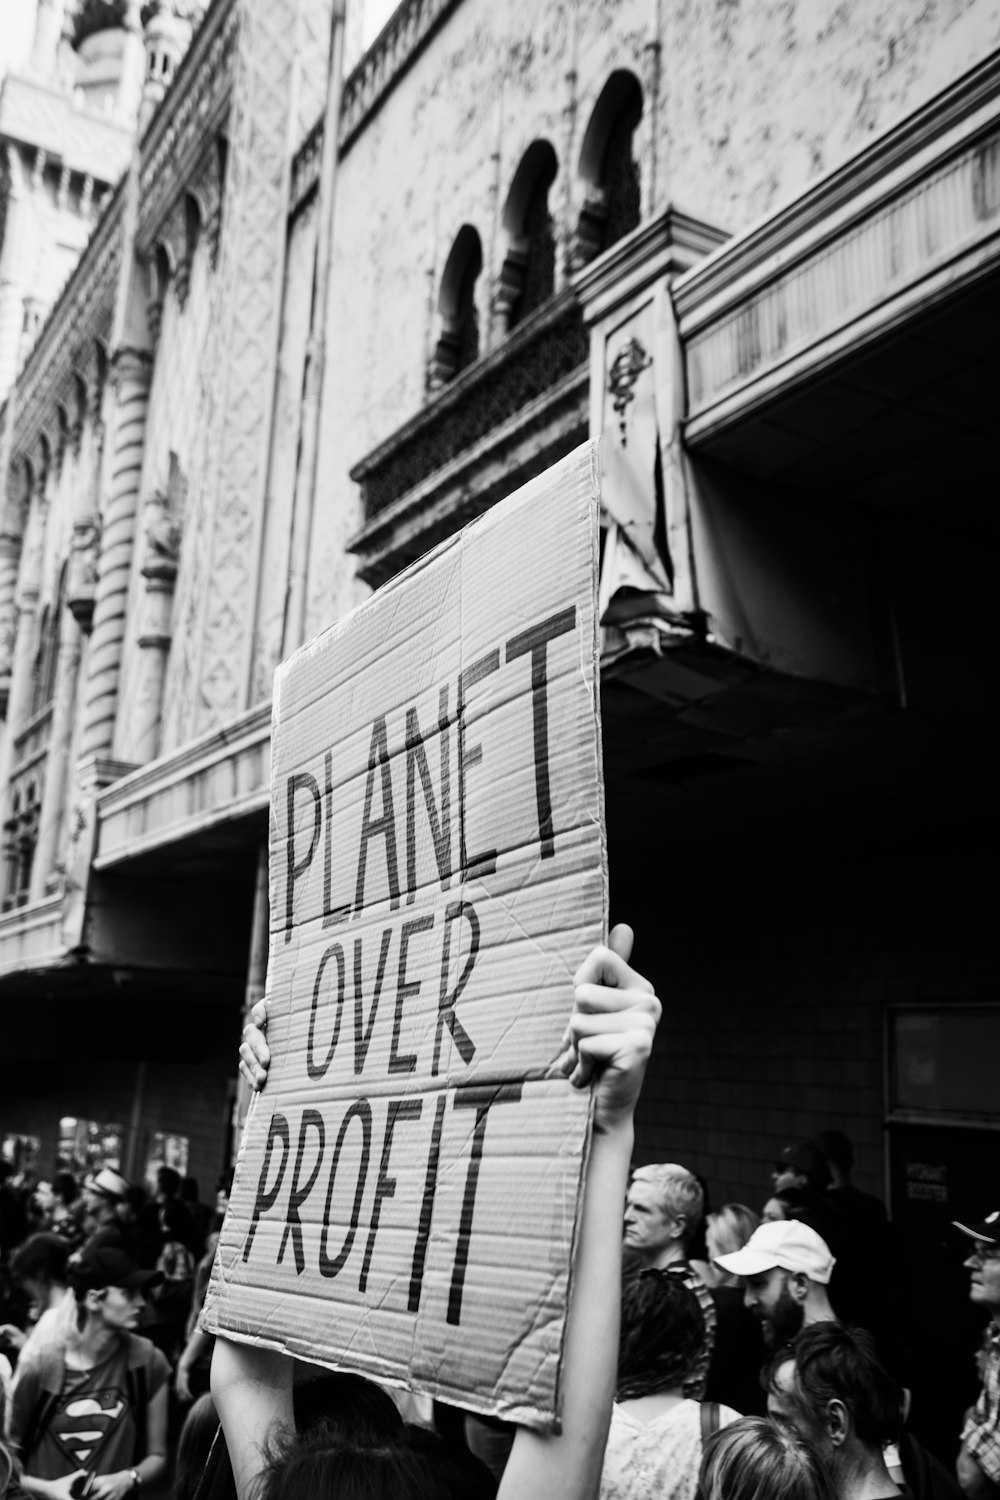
[752, 247]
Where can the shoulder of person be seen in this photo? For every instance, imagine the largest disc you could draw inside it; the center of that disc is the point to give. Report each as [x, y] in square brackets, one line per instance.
[143, 1354]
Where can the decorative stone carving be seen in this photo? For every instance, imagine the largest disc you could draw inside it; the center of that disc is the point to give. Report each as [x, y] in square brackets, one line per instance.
[175, 153]
[163, 539]
[208, 672]
[626, 367]
[81, 577]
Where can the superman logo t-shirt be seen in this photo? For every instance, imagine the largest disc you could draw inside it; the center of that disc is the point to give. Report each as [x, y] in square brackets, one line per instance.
[92, 1425]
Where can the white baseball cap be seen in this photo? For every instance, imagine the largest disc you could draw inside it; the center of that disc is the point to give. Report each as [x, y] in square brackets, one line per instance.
[787, 1244]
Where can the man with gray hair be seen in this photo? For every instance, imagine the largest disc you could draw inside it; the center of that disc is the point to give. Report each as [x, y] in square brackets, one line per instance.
[664, 1209]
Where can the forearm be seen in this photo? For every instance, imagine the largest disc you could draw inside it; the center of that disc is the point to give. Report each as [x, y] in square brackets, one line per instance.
[197, 1345]
[151, 1468]
[567, 1465]
[252, 1391]
[976, 1484]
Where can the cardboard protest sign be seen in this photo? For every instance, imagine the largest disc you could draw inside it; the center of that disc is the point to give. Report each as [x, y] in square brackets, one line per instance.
[407, 1184]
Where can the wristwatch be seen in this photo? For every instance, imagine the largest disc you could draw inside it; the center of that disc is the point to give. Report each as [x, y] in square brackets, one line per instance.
[135, 1477]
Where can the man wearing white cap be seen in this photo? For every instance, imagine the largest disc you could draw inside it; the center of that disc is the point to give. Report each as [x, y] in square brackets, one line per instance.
[785, 1268]
[978, 1465]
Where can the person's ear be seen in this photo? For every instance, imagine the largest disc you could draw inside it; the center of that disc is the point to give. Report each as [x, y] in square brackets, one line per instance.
[798, 1284]
[93, 1300]
[838, 1422]
[680, 1226]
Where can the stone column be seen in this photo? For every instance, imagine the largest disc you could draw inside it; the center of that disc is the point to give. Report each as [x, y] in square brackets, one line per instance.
[11, 532]
[50, 820]
[130, 376]
[48, 31]
[159, 569]
[12, 274]
[649, 194]
[22, 667]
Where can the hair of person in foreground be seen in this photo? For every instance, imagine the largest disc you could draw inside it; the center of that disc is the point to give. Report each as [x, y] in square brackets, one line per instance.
[662, 1334]
[328, 1461]
[753, 1459]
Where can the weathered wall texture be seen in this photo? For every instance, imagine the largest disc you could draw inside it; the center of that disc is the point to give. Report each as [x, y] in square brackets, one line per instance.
[170, 430]
[753, 101]
[774, 994]
[762, 97]
[277, 524]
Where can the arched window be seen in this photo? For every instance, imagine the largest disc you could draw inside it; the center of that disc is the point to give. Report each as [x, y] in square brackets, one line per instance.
[612, 205]
[192, 226]
[527, 276]
[62, 434]
[458, 342]
[79, 408]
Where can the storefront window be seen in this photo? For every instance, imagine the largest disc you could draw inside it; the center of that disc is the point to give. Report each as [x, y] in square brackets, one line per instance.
[88, 1145]
[20, 1152]
[166, 1151]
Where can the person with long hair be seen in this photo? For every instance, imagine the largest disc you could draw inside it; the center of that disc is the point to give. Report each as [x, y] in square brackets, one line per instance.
[753, 1459]
[726, 1230]
[734, 1372]
[655, 1439]
[92, 1404]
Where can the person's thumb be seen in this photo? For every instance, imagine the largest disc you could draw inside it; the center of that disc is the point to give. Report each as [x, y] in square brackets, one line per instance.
[620, 940]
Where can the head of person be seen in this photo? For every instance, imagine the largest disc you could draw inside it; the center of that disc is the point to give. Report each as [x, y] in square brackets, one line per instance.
[831, 1390]
[727, 1229]
[110, 1289]
[837, 1149]
[174, 1219]
[802, 1166]
[104, 1198]
[168, 1184]
[662, 1334]
[44, 1197]
[753, 1459]
[39, 1264]
[664, 1208]
[223, 1189]
[983, 1262]
[65, 1188]
[785, 1268]
[790, 1203]
[330, 1460]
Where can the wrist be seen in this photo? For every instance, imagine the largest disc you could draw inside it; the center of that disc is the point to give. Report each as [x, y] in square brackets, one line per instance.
[135, 1480]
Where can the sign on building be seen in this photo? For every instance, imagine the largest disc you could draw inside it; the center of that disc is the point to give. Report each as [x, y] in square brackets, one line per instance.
[408, 1181]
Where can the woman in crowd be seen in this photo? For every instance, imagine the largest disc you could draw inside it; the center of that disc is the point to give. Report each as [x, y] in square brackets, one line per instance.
[655, 1440]
[726, 1230]
[738, 1352]
[756, 1460]
[607, 1046]
[39, 1268]
[93, 1403]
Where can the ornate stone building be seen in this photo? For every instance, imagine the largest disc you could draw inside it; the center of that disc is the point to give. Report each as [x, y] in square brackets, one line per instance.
[755, 248]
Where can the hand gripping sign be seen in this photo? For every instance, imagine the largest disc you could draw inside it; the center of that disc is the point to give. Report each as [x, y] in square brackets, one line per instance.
[408, 1182]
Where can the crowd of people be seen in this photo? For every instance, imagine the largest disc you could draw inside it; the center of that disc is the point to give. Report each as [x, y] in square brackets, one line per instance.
[749, 1356]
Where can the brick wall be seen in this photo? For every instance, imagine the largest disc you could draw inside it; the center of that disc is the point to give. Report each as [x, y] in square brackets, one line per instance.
[191, 1099]
[775, 989]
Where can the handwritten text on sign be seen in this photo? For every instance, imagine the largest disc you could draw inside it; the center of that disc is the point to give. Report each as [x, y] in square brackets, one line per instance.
[407, 1186]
